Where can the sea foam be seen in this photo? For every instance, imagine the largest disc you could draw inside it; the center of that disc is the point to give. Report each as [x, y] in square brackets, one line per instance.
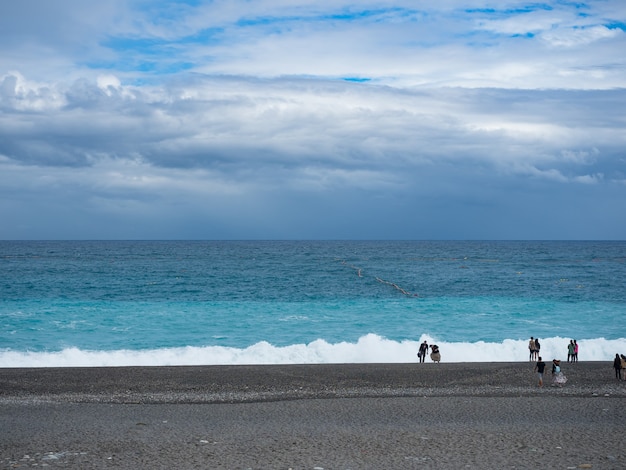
[370, 348]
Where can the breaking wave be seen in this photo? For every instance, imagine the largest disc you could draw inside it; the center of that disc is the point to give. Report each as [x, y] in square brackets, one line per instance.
[370, 348]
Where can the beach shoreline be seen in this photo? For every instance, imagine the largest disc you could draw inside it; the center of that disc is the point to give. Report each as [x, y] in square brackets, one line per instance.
[461, 415]
[258, 383]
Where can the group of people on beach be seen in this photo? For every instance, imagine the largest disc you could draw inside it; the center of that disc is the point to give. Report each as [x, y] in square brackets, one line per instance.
[572, 351]
[619, 364]
[435, 355]
[534, 347]
[558, 377]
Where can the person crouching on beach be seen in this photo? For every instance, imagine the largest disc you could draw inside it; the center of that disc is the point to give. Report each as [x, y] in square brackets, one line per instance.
[539, 368]
[435, 355]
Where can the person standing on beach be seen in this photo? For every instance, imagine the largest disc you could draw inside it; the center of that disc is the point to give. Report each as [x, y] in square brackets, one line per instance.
[423, 351]
[539, 368]
[575, 351]
[531, 348]
[537, 347]
[570, 351]
[617, 365]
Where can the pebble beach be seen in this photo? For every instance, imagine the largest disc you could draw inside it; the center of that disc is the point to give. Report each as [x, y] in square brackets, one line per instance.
[322, 416]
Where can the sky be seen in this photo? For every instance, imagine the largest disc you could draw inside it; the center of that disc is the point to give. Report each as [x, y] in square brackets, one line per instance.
[287, 119]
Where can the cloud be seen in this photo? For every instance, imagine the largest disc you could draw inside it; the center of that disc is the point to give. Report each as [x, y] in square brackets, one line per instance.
[520, 23]
[581, 36]
[257, 119]
[297, 127]
[399, 44]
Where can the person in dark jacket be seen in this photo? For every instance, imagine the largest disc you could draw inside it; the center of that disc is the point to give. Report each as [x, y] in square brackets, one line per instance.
[423, 351]
[539, 368]
[617, 365]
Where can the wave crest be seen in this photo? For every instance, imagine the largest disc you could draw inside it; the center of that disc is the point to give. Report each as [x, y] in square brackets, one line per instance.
[370, 348]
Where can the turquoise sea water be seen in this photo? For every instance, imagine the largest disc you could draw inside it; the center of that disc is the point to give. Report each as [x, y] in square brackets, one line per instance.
[211, 302]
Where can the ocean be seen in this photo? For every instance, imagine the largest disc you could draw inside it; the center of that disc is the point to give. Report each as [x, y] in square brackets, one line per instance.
[149, 303]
